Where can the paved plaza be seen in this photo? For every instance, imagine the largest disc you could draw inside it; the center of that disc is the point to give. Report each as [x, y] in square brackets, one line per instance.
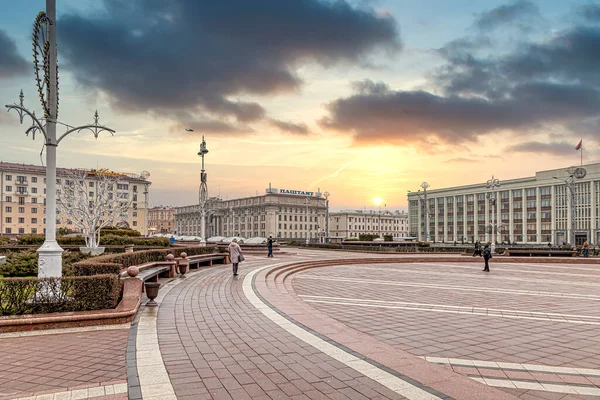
[335, 325]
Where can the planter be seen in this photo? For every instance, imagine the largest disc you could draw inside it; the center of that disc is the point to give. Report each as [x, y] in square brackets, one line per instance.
[94, 251]
[152, 293]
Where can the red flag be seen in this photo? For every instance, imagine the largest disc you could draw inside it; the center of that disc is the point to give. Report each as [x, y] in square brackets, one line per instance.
[579, 145]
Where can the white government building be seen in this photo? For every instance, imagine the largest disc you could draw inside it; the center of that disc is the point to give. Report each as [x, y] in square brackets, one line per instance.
[536, 209]
[353, 223]
[281, 213]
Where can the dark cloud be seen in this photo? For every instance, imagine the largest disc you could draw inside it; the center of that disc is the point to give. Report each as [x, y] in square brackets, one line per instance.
[548, 85]
[291, 127]
[519, 13]
[11, 63]
[590, 12]
[160, 56]
[552, 148]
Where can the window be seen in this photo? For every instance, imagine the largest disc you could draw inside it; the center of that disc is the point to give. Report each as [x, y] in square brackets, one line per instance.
[58, 182]
[34, 201]
[21, 210]
[34, 190]
[8, 220]
[530, 192]
[33, 230]
[480, 197]
[7, 230]
[91, 194]
[34, 210]
[9, 177]
[21, 220]
[9, 188]
[135, 214]
[8, 209]
[517, 194]
[134, 223]
[8, 199]
[91, 184]
[545, 191]
[22, 201]
[34, 220]
[135, 206]
[33, 179]
[21, 231]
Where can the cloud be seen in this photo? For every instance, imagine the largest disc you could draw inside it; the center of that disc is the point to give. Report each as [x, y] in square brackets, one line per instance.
[158, 56]
[535, 85]
[298, 129]
[552, 148]
[206, 126]
[518, 13]
[590, 12]
[462, 160]
[11, 62]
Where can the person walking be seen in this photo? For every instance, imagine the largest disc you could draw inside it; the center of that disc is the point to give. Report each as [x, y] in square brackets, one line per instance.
[487, 254]
[235, 253]
[477, 248]
[586, 249]
[270, 246]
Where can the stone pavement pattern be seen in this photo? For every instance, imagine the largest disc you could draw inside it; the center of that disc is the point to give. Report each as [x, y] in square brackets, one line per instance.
[61, 362]
[215, 344]
[538, 315]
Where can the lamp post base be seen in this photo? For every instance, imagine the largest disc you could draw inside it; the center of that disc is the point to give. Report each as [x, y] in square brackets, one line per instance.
[50, 260]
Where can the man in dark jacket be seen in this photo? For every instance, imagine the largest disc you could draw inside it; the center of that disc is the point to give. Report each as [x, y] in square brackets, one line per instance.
[487, 254]
[270, 246]
[477, 251]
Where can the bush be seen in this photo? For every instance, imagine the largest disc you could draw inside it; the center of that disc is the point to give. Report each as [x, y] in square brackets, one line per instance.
[110, 230]
[388, 238]
[4, 240]
[68, 294]
[125, 260]
[367, 237]
[22, 263]
[71, 240]
[115, 240]
[424, 244]
[31, 239]
[91, 268]
[159, 241]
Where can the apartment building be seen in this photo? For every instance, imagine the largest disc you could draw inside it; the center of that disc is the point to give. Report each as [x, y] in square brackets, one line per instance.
[553, 206]
[161, 219]
[23, 197]
[353, 223]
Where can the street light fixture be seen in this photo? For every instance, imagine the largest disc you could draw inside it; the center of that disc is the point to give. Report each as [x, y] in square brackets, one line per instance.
[203, 195]
[326, 194]
[45, 64]
[493, 184]
[574, 173]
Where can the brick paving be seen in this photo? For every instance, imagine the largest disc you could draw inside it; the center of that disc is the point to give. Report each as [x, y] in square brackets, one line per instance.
[215, 344]
[372, 299]
[60, 362]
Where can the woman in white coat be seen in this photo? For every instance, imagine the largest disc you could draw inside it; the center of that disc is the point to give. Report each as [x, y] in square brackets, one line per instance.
[235, 253]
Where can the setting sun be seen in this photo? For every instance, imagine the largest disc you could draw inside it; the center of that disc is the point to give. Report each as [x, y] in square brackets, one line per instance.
[377, 201]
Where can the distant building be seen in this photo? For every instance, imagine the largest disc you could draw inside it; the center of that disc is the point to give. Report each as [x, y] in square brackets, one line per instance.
[281, 213]
[161, 219]
[353, 223]
[23, 198]
[535, 209]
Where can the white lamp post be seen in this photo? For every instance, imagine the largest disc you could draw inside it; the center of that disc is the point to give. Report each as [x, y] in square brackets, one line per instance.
[493, 184]
[45, 64]
[326, 194]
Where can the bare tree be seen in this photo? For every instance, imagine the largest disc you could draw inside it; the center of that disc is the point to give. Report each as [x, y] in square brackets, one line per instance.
[92, 204]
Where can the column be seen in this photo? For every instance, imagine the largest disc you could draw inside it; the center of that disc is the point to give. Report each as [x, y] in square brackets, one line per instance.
[434, 234]
[420, 216]
[499, 215]
[445, 220]
[511, 218]
[465, 236]
[475, 217]
[553, 224]
[592, 238]
[487, 219]
[538, 215]
[454, 218]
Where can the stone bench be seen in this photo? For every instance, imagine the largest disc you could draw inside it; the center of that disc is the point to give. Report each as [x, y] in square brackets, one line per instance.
[541, 253]
[206, 260]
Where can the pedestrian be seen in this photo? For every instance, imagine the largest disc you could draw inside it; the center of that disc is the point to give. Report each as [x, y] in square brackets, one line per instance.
[549, 245]
[235, 253]
[586, 249]
[270, 246]
[487, 254]
[477, 248]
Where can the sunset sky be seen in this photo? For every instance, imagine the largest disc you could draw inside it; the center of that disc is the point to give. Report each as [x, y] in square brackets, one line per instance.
[363, 98]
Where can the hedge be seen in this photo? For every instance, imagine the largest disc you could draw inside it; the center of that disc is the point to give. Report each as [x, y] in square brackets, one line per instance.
[90, 268]
[125, 260]
[68, 294]
[24, 263]
[4, 240]
[108, 238]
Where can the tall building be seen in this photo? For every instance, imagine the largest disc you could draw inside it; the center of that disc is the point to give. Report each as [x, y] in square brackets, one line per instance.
[23, 197]
[353, 223]
[161, 219]
[557, 206]
[281, 213]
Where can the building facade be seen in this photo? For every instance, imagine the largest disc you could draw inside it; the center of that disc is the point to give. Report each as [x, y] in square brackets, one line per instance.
[353, 223]
[161, 219]
[557, 206]
[281, 213]
[23, 198]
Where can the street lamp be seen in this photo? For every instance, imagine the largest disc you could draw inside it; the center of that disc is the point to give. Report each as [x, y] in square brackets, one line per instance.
[203, 194]
[326, 194]
[46, 72]
[493, 184]
[423, 199]
[574, 173]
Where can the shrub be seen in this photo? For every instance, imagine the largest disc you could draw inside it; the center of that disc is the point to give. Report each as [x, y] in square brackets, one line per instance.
[115, 240]
[31, 239]
[71, 240]
[4, 240]
[110, 230]
[90, 268]
[388, 238]
[22, 263]
[68, 294]
[159, 241]
[424, 244]
[125, 260]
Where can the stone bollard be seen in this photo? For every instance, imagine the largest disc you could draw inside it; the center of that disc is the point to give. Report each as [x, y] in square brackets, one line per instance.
[184, 265]
[174, 270]
[129, 248]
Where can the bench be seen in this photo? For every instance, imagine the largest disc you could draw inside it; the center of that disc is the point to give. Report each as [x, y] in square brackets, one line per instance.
[201, 260]
[541, 253]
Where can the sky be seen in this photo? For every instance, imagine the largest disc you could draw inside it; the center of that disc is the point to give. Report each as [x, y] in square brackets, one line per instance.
[364, 99]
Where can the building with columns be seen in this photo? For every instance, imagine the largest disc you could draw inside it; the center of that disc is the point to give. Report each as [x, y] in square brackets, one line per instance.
[281, 213]
[353, 223]
[161, 219]
[536, 210]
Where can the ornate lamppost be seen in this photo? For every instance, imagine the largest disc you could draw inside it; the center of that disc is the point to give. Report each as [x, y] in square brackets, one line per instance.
[326, 194]
[203, 194]
[493, 184]
[46, 76]
[574, 173]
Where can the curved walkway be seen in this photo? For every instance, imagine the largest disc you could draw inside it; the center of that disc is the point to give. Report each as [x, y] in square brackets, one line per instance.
[286, 328]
